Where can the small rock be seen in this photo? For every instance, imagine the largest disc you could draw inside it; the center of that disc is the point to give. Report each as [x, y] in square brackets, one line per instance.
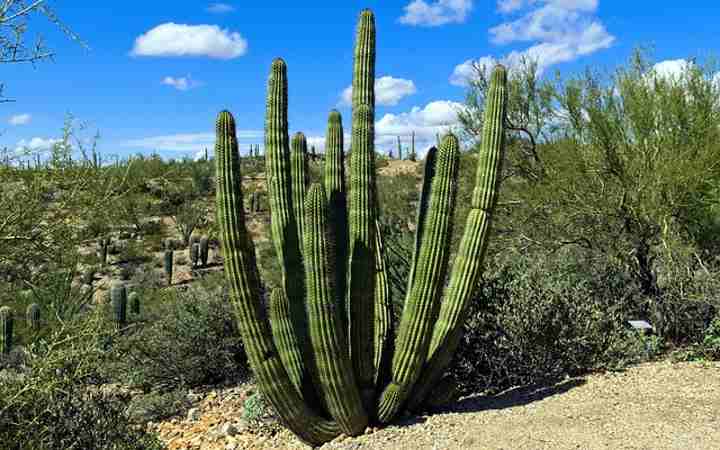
[228, 429]
[193, 414]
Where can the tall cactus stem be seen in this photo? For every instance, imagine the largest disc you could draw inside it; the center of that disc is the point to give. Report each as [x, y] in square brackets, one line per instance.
[242, 274]
[470, 255]
[422, 301]
[32, 316]
[299, 175]
[333, 369]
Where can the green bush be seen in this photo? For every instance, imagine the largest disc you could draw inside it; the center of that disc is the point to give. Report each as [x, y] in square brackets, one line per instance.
[187, 339]
[56, 400]
[535, 320]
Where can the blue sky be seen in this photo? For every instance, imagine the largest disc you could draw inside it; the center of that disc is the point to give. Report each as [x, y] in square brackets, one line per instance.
[157, 73]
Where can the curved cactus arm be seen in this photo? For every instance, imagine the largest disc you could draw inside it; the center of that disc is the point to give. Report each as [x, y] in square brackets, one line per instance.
[422, 302]
[242, 276]
[362, 248]
[282, 217]
[299, 176]
[335, 190]
[332, 364]
[383, 314]
[469, 259]
[424, 200]
[284, 337]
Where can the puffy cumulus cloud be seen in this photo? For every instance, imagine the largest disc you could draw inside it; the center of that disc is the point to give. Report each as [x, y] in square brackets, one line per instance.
[465, 72]
[388, 91]
[191, 142]
[436, 117]
[181, 83]
[172, 39]
[560, 30]
[220, 8]
[36, 144]
[20, 119]
[433, 14]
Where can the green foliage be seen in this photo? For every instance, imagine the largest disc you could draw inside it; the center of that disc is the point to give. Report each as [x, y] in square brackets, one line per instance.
[6, 330]
[186, 339]
[55, 402]
[32, 316]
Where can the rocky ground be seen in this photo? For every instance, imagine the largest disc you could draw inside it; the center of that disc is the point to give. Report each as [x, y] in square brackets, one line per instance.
[659, 405]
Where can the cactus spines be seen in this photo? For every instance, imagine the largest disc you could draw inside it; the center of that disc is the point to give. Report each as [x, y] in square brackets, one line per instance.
[194, 253]
[333, 368]
[6, 330]
[359, 370]
[469, 258]
[204, 250]
[118, 297]
[299, 175]
[32, 316]
[168, 265]
[361, 271]
[241, 268]
[335, 190]
[422, 300]
[134, 302]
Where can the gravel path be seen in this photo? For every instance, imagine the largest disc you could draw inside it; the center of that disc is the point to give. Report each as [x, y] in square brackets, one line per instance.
[654, 406]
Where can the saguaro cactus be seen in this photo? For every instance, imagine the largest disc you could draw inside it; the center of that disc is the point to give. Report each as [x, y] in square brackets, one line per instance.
[6, 330]
[134, 301]
[204, 250]
[168, 265]
[32, 316]
[324, 353]
[118, 298]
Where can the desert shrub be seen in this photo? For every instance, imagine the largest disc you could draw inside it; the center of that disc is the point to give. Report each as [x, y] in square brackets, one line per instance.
[188, 339]
[155, 406]
[55, 400]
[535, 320]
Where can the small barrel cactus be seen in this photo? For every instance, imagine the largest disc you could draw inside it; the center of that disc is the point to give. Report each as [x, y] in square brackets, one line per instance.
[134, 301]
[6, 330]
[168, 264]
[204, 250]
[118, 297]
[32, 316]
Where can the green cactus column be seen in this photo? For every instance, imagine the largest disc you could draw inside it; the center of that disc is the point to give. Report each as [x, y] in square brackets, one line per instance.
[299, 175]
[360, 297]
[242, 275]
[469, 259]
[333, 369]
[282, 217]
[168, 265]
[32, 316]
[284, 337]
[422, 301]
[335, 190]
[361, 213]
[134, 302]
[118, 298]
[6, 330]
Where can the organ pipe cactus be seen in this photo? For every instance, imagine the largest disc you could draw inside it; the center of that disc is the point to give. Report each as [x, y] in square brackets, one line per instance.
[32, 316]
[324, 353]
[6, 330]
[118, 298]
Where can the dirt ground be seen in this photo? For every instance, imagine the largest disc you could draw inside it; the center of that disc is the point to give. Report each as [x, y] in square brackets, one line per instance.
[653, 406]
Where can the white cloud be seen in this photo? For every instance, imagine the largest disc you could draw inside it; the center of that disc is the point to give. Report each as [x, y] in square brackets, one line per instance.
[20, 119]
[388, 91]
[192, 142]
[671, 68]
[220, 8]
[560, 30]
[436, 117]
[36, 144]
[171, 39]
[181, 83]
[440, 12]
